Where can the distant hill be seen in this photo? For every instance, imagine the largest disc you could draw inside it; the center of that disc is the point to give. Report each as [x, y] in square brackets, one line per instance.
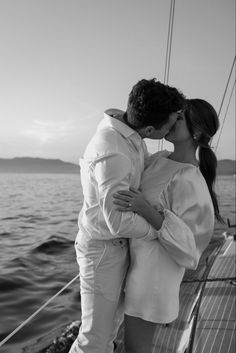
[37, 165]
[41, 165]
[226, 167]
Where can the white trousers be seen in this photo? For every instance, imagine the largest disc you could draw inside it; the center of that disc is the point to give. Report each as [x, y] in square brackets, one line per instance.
[103, 267]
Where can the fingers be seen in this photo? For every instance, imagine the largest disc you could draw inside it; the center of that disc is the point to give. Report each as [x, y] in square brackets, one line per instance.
[121, 203]
[123, 197]
[125, 193]
[122, 209]
[133, 190]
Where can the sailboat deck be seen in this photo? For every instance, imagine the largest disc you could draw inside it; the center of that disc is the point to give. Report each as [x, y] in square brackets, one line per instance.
[216, 320]
[216, 324]
[210, 289]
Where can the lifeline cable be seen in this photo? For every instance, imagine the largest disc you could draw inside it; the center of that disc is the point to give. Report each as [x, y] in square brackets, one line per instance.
[36, 312]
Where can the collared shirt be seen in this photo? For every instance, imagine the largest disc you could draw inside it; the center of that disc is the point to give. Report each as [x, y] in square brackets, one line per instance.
[113, 161]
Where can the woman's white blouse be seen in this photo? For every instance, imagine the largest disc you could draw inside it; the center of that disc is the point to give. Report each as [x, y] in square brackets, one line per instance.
[157, 266]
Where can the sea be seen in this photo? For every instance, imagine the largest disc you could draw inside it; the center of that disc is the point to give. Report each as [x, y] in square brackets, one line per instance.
[38, 226]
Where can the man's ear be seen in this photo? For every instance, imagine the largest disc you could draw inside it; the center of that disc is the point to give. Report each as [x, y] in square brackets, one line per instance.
[149, 130]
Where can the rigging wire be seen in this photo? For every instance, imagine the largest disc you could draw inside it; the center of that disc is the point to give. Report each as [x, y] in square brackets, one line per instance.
[218, 140]
[169, 41]
[168, 53]
[227, 84]
[37, 311]
[223, 98]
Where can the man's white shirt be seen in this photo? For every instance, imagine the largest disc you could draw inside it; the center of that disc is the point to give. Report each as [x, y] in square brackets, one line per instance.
[113, 161]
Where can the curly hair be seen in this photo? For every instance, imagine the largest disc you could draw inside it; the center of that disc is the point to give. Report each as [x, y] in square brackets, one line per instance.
[151, 102]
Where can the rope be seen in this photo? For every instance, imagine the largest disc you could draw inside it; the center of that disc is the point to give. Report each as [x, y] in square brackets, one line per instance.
[36, 312]
[217, 279]
[222, 125]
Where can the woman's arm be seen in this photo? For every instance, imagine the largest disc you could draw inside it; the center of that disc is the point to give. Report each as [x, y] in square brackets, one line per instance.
[132, 200]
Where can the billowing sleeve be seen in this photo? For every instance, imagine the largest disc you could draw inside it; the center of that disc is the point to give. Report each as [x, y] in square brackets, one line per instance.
[189, 217]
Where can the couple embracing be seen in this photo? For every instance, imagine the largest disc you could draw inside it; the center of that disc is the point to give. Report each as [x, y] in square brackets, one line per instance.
[145, 218]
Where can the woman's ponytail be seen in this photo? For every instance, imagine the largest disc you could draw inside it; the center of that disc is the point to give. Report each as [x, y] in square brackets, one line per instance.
[203, 123]
[208, 165]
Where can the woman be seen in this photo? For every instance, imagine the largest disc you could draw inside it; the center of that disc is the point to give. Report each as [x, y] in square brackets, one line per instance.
[178, 186]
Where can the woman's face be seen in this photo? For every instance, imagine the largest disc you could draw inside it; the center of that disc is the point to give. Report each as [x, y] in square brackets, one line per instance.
[179, 132]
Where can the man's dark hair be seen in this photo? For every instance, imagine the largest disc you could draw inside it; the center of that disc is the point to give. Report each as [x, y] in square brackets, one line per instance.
[151, 102]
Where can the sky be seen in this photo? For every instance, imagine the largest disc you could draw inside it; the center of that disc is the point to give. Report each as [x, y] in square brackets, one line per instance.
[63, 62]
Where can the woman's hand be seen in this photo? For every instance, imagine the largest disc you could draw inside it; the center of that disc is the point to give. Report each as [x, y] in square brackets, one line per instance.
[130, 200]
[134, 201]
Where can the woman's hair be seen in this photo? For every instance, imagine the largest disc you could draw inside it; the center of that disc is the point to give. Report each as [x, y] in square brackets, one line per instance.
[151, 102]
[203, 123]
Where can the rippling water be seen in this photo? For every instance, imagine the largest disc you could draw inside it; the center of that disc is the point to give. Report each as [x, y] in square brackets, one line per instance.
[38, 225]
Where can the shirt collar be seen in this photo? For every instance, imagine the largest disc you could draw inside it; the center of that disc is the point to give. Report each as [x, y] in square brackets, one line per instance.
[118, 125]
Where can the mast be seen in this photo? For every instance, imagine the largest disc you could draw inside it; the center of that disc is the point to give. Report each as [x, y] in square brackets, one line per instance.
[169, 42]
[168, 52]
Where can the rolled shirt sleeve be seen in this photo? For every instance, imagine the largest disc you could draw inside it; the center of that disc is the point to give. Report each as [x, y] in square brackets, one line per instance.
[112, 174]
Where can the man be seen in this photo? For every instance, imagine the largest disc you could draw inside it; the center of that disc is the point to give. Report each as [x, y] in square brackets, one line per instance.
[114, 160]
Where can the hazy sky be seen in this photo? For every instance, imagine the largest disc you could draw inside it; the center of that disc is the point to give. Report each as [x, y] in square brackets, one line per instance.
[65, 61]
